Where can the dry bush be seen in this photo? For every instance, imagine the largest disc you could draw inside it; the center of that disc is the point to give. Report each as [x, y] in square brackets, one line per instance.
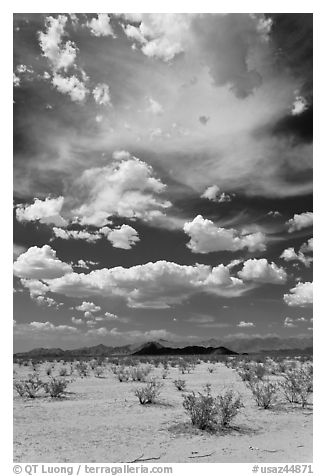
[210, 369]
[164, 374]
[264, 392]
[99, 371]
[180, 384]
[297, 385]
[56, 387]
[29, 387]
[139, 374]
[149, 393]
[48, 370]
[210, 413]
[82, 369]
[123, 374]
[63, 371]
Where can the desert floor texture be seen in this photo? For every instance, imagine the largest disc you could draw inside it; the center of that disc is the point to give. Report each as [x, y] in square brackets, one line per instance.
[101, 420]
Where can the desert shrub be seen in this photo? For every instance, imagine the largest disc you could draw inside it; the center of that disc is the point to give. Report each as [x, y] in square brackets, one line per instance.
[48, 371]
[184, 367]
[259, 371]
[82, 369]
[149, 393]
[264, 392]
[297, 385]
[209, 413]
[229, 405]
[139, 374]
[29, 387]
[99, 371]
[93, 364]
[123, 374]
[164, 374]
[210, 370]
[63, 371]
[56, 387]
[246, 374]
[180, 384]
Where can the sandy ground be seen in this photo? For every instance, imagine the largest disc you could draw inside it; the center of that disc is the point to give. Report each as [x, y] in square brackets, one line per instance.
[102, 421]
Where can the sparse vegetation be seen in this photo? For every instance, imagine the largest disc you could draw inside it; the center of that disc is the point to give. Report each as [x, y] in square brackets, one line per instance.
[180, 384]
[264, 392]
[209, 413]
[149, 393]
[30, 387]
[56, 387]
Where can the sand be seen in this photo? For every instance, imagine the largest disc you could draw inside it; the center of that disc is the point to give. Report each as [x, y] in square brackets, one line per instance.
[101, 421]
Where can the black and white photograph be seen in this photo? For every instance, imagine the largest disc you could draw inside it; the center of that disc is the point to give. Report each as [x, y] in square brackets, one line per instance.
[162, 238]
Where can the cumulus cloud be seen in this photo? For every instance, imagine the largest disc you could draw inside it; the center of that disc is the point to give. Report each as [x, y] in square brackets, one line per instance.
[70, 85]
[76, 235]
[289, 254]
[153, 285]
[245, 324]
[124, 237]
[211, 193]
[101, 25]
[101, 94]
[288, 322]
[299, 106]
[125, 188]
[160, 36]
[18, 250]
[207, 237]
[76, 321]
[300, 296]
[47, 301]
[35, 286]
[46, 211]
[60, 55]
[260, 271]
[40, 263]
[299, 221]
[89, 307]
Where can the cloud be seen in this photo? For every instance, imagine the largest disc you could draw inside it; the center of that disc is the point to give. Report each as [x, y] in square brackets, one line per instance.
[289, 254]
[300, 296]
[299, 106]
[76, 321]
[153, 285]
[18, 250]
[154, 107]
[245, 324]
[299, 221]
[206, 237]
[108, 316]
[124, 237]
[101, 94]
[161, 36]
[40, 263]
[76, 235]
[47, 211]
[288, 322]
[70, 85]
[101, 26]
[260, 271]
[60, 55]
[125, 188]
[211, 193]
[87, 306]
[47, 301]
[35, 286]
[230, 45]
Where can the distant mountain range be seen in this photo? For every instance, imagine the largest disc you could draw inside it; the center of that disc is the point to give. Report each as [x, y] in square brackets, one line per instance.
[269, 345]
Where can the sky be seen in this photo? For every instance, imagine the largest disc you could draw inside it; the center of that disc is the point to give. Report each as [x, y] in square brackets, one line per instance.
[162, 178]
